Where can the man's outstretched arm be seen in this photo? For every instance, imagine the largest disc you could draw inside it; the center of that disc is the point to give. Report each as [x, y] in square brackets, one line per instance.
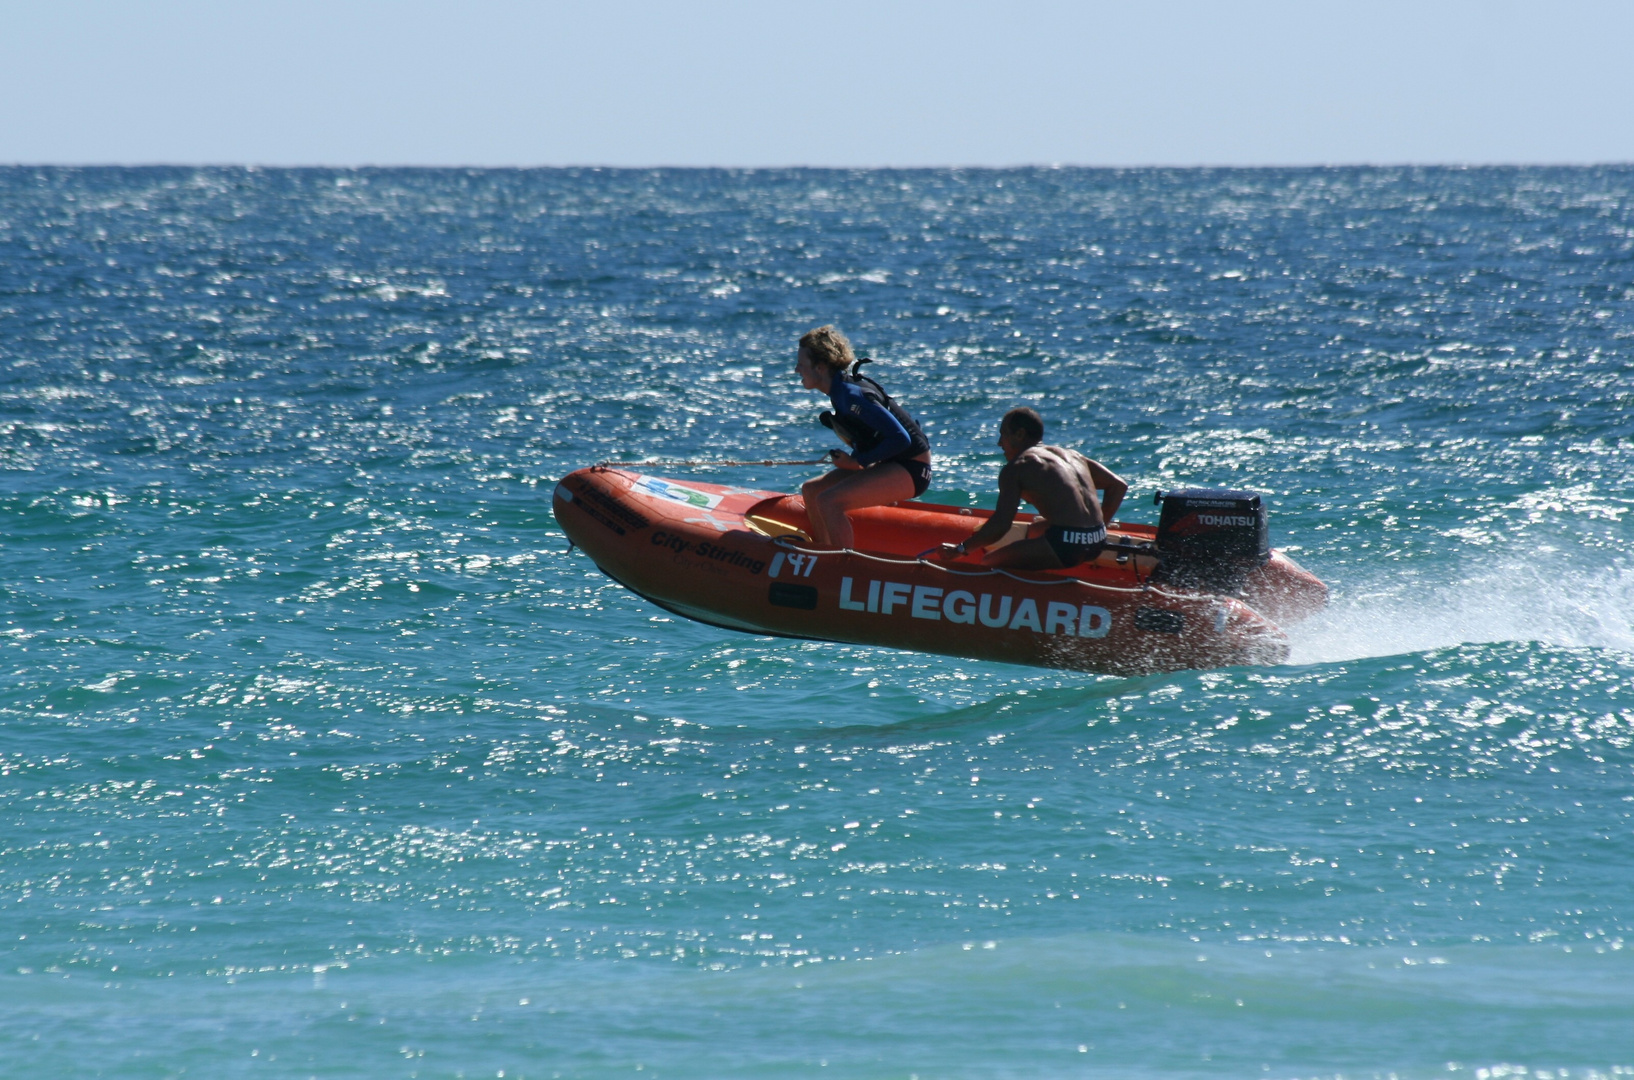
[1110, 482]
[1003, 514]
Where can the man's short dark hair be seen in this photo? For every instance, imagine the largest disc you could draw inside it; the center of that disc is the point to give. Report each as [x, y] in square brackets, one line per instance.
[1024, 422]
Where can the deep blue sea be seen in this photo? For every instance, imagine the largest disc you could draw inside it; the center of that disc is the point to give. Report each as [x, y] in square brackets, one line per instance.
[321, 756]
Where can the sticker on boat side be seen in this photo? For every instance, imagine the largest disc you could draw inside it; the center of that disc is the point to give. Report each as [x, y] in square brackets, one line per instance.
[703, 550]
[996, 610]
[663, 489]
[799, 565]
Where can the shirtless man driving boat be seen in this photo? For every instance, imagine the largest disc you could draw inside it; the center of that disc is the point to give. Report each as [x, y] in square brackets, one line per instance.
[1061, 483]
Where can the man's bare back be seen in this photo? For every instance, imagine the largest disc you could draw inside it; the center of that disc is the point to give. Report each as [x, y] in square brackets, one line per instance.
[1062, 484]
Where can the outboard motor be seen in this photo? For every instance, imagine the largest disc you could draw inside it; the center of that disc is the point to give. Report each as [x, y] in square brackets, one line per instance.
[1210, 538]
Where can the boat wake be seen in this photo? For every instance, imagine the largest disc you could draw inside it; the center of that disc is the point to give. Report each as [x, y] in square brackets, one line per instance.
[1565, 606]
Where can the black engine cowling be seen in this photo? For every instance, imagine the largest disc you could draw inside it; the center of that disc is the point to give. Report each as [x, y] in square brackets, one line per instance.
[1210, 538]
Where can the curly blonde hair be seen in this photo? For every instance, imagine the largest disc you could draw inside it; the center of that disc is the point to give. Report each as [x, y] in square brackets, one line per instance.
[829, 347]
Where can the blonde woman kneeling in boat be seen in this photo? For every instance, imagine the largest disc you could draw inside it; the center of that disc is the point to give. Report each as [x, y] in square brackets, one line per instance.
[1061, 483]
[890, 457]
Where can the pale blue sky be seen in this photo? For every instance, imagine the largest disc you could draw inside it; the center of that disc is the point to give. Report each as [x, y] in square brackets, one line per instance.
[769, 82]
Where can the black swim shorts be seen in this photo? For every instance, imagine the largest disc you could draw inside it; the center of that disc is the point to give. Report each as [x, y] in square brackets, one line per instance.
[1074, 546]
[919, 471]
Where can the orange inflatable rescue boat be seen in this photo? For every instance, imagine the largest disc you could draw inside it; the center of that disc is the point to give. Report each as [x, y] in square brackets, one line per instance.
[1202, 589]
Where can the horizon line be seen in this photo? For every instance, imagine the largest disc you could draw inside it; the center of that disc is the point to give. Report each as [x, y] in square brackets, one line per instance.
[1015, 166]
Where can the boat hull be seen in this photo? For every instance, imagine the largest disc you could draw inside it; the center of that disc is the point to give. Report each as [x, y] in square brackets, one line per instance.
[734, 557]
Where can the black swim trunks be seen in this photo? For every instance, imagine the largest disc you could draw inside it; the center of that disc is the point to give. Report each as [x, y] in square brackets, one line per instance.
[919, 470]
[1074, 546]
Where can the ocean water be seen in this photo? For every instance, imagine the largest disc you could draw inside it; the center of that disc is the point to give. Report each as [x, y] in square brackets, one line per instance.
[321, 756]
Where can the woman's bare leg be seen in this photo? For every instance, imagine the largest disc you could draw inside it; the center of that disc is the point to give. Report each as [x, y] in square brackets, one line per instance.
[810, 491]
[829, 497]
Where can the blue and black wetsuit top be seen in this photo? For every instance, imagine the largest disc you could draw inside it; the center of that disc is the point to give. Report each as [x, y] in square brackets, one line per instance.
[879, 429]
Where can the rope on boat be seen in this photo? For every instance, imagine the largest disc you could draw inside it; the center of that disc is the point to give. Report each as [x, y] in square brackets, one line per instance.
[918, 560]
[989, 572]
[700, 464]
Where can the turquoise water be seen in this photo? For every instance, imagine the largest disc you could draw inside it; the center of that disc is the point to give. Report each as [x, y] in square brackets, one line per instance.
[320, 756]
